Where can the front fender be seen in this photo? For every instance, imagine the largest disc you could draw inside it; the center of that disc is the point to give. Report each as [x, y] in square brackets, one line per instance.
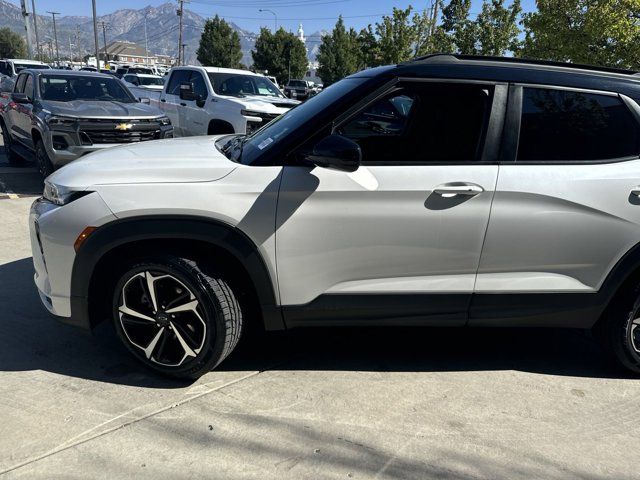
[168, 227]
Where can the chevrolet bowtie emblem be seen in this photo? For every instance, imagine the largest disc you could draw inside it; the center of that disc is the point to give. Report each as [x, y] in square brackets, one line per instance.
[124, 126]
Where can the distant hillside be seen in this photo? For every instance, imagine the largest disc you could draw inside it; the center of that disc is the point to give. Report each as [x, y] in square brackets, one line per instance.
[128, 24]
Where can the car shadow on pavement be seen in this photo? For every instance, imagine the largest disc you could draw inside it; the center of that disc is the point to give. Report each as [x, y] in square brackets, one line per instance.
[30, 339]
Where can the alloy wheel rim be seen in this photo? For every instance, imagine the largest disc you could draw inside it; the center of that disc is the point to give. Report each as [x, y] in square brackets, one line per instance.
[161, 317]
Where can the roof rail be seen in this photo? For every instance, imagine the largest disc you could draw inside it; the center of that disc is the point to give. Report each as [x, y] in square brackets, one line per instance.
[448, 57]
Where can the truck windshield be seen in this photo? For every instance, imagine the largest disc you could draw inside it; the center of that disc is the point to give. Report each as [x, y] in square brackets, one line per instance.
[21, 66]
[236, 85]
[67, 88]
[150, 81]
[297, 83]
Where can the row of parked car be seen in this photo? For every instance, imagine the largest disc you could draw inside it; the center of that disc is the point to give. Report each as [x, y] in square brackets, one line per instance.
[61, 115]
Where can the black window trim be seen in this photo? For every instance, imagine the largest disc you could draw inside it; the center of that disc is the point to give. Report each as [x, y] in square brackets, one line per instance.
[511, 139]
[492, 129]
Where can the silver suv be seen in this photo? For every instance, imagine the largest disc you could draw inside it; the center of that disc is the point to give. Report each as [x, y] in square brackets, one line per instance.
[452, 191]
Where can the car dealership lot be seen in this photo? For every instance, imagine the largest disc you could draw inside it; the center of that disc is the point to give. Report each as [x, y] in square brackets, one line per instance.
[404, 403]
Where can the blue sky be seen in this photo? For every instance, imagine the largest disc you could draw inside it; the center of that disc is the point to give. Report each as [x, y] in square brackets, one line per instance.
[313, 14]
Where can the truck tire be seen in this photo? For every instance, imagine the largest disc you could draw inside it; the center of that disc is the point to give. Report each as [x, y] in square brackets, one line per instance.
[42, 160]
[176, 317]
[12, 156]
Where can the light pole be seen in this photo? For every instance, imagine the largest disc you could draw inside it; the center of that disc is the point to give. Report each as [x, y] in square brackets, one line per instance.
[55, 36]
[275, 17]
[95, 35]
[35, 28]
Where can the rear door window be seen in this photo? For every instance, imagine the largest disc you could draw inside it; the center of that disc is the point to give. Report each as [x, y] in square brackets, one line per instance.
[28, 87]
[20, 83]
[563, 125]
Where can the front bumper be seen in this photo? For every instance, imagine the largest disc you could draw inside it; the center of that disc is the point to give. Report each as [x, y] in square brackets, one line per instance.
[53, 231]
[74, 148]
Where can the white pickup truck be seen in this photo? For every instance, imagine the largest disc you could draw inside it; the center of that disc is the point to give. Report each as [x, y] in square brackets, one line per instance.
[211, 100]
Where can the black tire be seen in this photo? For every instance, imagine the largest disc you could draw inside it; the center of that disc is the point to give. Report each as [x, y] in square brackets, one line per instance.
[45, 167]
[618, 335]
[217, 308]
[12, 156]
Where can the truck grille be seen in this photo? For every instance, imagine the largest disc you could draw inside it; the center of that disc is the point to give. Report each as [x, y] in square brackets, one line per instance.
[96, 131]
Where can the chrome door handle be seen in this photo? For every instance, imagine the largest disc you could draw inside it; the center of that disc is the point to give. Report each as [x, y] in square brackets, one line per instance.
[468, 189]
[636, 192]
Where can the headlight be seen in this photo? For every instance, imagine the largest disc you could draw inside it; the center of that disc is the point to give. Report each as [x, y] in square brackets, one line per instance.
[61, 195]
[56, 120]
[251, 113]
[164, 121]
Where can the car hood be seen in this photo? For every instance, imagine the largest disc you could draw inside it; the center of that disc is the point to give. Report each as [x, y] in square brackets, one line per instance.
[266, 104]
[180, 160]
[94, 109]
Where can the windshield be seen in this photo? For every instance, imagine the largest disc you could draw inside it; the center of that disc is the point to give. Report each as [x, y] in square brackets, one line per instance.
[268, 136]
[150, 81]
[21, 66]
[66, 88]
[236, 85]
[147, 71]
[297, 83]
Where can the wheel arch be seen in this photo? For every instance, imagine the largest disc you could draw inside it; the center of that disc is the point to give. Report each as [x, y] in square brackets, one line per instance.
[120, 241]
[621, 281]
[217, 126]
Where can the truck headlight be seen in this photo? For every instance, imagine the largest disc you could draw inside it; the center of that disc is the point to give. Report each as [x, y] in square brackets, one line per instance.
[61, 195]
[57, 120]
[164, 121]
[251, 113]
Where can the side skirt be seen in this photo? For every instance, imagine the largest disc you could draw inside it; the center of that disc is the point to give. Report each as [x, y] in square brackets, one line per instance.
[562, 310]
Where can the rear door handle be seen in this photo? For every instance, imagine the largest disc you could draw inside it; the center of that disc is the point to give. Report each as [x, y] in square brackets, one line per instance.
[162, 100]
[183, 104]
[449, 190]
[636, 192]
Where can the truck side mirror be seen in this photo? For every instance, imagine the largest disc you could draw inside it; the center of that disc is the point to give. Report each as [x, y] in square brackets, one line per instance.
[20, 98]
[186, 91]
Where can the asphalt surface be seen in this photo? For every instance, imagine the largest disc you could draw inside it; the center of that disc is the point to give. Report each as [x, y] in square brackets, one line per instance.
[334, 403]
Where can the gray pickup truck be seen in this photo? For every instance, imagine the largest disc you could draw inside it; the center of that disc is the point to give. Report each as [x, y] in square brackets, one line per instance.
[62, 115]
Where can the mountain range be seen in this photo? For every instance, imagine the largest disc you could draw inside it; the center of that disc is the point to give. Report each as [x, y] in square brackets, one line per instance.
[129, 24]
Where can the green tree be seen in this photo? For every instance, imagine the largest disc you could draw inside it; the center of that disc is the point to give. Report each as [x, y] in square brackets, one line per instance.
[497, 27]
[338, 55]
[396, 36]
[367, 49]
[219, 45]
[599, 32]
[12, 45]
[282, 54]
[457, 24]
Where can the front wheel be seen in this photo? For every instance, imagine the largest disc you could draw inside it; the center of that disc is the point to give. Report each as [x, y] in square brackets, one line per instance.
[176, 318]
[42, 159]
[619, 332]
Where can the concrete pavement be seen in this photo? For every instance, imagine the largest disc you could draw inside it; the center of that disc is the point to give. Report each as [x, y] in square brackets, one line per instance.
[352, 403]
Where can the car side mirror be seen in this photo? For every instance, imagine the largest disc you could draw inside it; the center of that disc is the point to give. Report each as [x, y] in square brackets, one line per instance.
[335, 152]
[186, 91]
[145, 100]
[20, 98]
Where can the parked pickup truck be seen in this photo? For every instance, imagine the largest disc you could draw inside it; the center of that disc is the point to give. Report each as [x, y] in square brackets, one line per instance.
[11, 67]
[62, 115]
[211, 100]
[302, 89]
